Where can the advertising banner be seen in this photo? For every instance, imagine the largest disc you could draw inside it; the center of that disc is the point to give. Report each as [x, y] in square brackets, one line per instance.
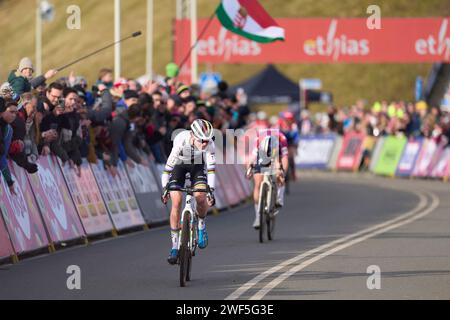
[235, 180]
[334, 155]
[376, 153]
[409, 158]
[21, 213]
[240, 172]
[441, 167]
[6, 249]
[421, 169]
[118, 196]
[148, 193]
[390, 155]
[324, 40]
[231, 195]
[157, 169]
[314, 151]
[351, 152]
[221, 199]
[54, 201]
[87, 198]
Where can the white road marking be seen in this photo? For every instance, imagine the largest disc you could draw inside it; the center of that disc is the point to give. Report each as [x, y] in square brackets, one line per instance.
[271, 285]
[253, 282]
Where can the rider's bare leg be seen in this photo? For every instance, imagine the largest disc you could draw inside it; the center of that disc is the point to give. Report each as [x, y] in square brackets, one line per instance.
[257, 178]
[202, 208]
[176, 197]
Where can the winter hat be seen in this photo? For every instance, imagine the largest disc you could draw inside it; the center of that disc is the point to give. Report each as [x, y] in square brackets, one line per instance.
[129, 94]
[177, 99]
[182, 89]
[25, 63]
[201, 103]
[119, 82]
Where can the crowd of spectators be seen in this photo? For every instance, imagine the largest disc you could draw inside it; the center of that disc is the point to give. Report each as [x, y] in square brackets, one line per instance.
[111, 120]
[382, 118]
[127, 120]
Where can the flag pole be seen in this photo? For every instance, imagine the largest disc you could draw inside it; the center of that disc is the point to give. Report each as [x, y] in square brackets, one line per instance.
[38, 41]
[197, 40]
[117, 49]
[149, 53]
[194, 66]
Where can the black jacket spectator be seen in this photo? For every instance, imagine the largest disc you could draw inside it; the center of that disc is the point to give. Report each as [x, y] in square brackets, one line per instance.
[122, 131]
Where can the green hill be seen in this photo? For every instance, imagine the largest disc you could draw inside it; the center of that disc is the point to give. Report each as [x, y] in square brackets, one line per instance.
[348, 82]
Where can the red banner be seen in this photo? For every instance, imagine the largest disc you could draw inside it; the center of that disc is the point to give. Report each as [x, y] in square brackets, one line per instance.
[21, 213]
[351, 152]
[53, 198]
[320, 40]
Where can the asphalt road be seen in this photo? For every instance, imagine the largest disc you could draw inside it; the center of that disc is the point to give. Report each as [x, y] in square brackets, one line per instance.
[333, 227]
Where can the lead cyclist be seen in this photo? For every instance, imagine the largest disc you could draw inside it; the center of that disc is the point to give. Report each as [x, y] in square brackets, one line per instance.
[271, 149]
[192, 151]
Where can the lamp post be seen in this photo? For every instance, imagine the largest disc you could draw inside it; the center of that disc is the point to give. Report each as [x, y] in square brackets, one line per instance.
[149, 59]
[193, 7]
[44, 12]
[117, 65]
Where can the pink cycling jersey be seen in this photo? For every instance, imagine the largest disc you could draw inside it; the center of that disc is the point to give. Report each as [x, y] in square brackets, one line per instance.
[282, 141]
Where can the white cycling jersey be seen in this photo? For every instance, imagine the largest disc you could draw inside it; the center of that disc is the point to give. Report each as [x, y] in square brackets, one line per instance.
[184, 152]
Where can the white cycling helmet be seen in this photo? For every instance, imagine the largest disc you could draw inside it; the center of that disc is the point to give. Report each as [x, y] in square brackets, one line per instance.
[202, 129]
[261, 115]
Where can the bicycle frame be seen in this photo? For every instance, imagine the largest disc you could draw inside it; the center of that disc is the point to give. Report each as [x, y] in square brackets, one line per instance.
[190, 207]
[266, 204]
[188, 242]
[269, 181]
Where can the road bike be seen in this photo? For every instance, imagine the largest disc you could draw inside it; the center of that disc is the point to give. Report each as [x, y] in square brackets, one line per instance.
[188, 243]
[267, 204]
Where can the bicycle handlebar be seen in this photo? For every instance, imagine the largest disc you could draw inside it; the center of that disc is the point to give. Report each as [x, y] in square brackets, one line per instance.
[188, 190]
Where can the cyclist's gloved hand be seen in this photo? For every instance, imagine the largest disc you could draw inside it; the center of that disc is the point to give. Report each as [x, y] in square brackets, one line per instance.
[165, 195]
[281, 177]
[210, 197]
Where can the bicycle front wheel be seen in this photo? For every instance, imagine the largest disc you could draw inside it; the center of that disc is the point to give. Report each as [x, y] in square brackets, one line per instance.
[262, 212]
[185, 252]
[193, 230]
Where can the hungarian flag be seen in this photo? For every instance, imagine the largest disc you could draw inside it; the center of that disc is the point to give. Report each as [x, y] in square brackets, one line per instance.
[249, 19]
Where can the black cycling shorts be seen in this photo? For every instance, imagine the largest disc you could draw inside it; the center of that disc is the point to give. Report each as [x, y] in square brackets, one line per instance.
[196, 171]
[262, 165]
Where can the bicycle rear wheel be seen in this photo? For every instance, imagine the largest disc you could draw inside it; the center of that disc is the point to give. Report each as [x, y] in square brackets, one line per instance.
[270, 217]
[185, 252]
[270, 220]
